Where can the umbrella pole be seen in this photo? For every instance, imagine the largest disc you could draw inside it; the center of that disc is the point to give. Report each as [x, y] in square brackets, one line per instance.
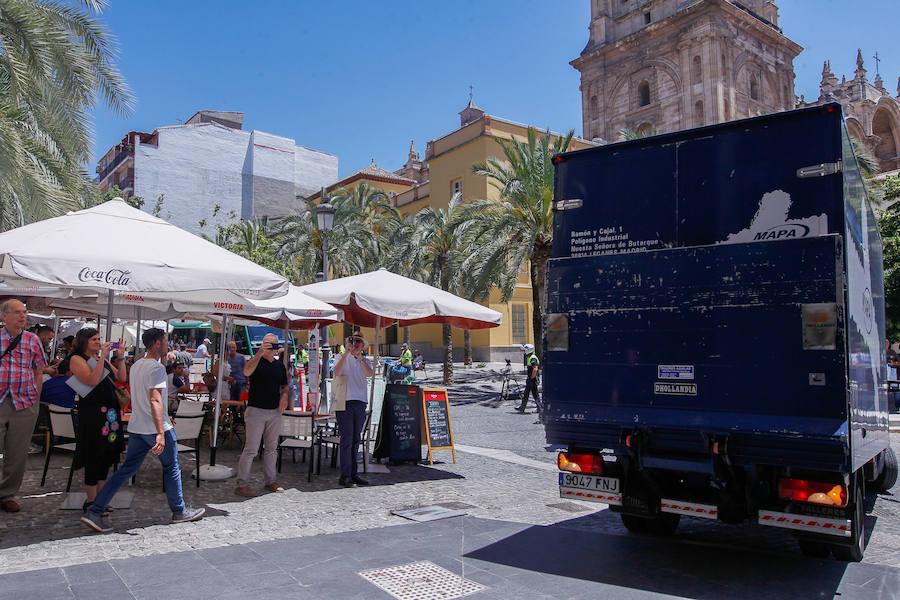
[367, 434]
[213, 472]
[55, 343]
[109, 315]
[137, 337]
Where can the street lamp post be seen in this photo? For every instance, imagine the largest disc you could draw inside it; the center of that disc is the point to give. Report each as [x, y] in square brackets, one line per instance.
[325, 220]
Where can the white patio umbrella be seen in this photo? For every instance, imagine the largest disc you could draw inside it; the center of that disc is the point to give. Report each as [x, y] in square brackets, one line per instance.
[380, 297]
[113, 247]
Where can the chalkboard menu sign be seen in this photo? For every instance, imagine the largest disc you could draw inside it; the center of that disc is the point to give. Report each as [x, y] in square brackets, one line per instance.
[399, 431]
[436, 409]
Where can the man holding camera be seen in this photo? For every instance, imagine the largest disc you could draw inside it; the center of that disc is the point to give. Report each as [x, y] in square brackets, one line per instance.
[267, 399]
[352, 419]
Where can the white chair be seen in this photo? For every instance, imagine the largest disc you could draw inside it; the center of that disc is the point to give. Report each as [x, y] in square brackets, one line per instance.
[62, 425]
[187, 428]
[190, 408]
[297, 431]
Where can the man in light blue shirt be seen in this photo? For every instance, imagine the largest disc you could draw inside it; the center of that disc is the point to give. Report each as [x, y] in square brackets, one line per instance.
[352, 419]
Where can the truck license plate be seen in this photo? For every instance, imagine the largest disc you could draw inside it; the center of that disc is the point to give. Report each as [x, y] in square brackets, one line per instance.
[593, 483]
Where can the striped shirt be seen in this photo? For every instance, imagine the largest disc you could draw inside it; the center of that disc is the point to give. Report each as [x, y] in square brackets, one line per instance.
[17, 368]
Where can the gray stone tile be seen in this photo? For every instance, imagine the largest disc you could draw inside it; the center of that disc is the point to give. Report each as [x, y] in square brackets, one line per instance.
[91, 572]
[108, 589]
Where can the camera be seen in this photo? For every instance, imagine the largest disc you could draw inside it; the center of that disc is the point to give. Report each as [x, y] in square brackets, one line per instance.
[274, 346]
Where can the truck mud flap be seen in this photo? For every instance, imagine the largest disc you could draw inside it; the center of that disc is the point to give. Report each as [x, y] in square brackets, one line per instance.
[691, 509]
[835, 527]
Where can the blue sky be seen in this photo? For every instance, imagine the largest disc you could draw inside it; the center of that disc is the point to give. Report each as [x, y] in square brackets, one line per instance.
[360, 78]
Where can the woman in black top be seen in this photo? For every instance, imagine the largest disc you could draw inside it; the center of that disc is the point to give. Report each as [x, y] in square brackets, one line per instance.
[100, 433]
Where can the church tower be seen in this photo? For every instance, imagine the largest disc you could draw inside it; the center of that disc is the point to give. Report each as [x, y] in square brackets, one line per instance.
[666, 65]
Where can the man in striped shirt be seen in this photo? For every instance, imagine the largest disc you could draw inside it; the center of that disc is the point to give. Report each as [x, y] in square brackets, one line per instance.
[21, 362]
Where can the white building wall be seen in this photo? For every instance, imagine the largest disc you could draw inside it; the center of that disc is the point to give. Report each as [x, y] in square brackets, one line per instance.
[247, 173]
[195, 167]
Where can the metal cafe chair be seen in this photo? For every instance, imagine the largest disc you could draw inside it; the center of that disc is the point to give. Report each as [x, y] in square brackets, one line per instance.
[188, 427]
[62, 425]
[297, 431]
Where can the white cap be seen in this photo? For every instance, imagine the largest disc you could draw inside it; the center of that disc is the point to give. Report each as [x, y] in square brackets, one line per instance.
[528, 347]
[206, 341]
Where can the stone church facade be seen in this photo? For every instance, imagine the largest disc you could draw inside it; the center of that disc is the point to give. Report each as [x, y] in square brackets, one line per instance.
[666, 65]
[873, 115]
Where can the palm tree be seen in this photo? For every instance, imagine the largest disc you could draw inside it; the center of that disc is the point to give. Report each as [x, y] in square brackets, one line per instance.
[431, 249]
[363, 221]
[518, 227]
[56, 60]
[631, 134]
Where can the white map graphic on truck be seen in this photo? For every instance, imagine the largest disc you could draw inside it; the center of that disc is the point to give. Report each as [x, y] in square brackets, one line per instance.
[771, 222]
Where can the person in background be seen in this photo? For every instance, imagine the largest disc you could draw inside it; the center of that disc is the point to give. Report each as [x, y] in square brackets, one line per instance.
[406, 358]
[532, 365]
[304, 358]
[99, 434]
[150, 430]
[226, 375]
[68, 343]
[21, 364]
[171, 359]
[176, 383]
[203, 349]
[237, 362]
[184, 356]
[267, 399]
[45, 334]
[56, 390]
[352, 419]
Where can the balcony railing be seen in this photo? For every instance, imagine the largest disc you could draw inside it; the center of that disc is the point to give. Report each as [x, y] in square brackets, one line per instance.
[115, 162]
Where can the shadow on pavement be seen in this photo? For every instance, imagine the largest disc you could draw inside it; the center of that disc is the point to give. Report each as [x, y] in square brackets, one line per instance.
[683, 569]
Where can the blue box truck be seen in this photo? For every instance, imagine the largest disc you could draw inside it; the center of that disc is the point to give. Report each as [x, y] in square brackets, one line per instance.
[714, 341]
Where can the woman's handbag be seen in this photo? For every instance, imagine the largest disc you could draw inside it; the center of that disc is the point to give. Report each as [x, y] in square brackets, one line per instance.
[209, 380]
[339, 393]
[122, 396]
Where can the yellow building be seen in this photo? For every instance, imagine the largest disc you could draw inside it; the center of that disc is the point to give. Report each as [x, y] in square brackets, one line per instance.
[445, 170]
[373, 175]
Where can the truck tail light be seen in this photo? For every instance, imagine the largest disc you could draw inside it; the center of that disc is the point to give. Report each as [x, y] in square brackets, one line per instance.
[815, 492]
[580, 463]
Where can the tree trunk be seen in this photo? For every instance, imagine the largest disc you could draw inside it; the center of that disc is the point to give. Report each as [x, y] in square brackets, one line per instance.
[448, 354]
[538, 285]
[406, 335]
[467, 349]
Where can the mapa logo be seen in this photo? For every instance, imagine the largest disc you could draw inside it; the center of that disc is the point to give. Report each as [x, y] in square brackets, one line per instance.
[783, 232]
[771, 222]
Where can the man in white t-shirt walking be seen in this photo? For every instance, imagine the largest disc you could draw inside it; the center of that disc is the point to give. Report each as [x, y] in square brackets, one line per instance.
[203, 349]
[149, 430]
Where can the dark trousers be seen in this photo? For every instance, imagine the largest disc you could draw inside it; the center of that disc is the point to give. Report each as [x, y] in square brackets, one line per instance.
[531, 387]
[350, 422]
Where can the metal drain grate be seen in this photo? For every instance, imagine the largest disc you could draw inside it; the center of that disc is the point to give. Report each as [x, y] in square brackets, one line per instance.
[422, 580]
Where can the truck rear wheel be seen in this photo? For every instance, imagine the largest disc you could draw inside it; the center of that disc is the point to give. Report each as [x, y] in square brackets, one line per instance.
[663, 524]
[888, 476]
[853, 552]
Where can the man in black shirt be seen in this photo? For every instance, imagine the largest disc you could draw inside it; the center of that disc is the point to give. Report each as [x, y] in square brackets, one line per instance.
[267, 398]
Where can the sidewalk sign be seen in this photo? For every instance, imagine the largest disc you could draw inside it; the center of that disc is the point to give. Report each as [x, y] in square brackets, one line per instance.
[399, 429]
[436, 421]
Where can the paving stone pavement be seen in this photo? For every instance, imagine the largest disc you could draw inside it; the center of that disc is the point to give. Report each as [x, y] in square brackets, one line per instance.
[506, 474]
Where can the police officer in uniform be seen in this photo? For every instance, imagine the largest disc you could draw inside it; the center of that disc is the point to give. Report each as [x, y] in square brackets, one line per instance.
[532, 366]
